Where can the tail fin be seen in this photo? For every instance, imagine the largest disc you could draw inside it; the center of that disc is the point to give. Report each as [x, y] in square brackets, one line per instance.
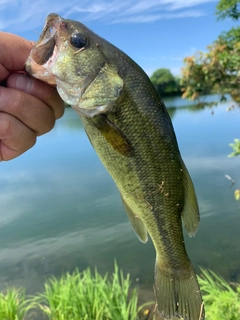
[178, 295]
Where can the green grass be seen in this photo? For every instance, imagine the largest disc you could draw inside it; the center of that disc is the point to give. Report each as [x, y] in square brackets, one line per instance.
[13, 304]
[89, 296]
[221, 300]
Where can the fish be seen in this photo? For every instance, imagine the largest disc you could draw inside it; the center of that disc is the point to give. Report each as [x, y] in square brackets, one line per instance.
[130, 129]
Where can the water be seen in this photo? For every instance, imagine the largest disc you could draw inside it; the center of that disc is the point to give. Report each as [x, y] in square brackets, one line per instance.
[59, 208]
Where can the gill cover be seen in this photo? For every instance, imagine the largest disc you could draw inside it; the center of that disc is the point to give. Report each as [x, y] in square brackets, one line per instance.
[101, 94]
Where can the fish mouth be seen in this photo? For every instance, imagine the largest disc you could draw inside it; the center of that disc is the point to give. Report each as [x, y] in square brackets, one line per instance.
[44, 48]
[45, 51]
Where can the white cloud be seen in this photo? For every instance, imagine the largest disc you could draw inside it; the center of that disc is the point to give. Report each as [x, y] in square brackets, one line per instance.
[180, 4]
[145, 18]
[28, 14]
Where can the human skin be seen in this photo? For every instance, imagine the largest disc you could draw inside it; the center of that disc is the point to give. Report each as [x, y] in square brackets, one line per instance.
[28, 107]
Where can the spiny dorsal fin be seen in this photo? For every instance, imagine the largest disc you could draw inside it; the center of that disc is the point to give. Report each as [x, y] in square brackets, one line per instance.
[136, 223]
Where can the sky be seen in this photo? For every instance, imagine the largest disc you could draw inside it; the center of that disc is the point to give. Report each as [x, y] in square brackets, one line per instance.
[154, 33]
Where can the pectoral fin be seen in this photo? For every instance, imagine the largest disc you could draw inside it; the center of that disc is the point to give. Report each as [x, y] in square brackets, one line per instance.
[136, 223]
[113, 135]
[190, 213]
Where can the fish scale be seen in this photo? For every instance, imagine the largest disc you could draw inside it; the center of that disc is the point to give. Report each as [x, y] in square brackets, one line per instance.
[131, 131]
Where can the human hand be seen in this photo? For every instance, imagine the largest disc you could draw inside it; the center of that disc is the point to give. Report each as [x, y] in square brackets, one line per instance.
[28, 107]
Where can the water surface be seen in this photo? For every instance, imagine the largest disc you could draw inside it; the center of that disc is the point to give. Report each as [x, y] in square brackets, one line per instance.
[61, 210]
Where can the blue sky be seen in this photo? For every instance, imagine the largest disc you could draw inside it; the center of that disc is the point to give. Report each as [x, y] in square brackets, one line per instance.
[155, 33]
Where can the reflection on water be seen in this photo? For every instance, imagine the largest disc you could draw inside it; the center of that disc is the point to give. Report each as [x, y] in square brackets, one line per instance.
[208, 102]
[61, 210]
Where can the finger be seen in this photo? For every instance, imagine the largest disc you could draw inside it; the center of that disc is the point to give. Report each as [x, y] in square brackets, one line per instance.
[31, 111]
[15, 137]
[38, 89]
[14, 52]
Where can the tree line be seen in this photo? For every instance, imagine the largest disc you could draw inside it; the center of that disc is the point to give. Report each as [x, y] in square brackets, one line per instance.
[165, 82]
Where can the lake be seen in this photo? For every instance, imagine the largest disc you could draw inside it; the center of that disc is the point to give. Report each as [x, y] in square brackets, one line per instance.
[61, 210]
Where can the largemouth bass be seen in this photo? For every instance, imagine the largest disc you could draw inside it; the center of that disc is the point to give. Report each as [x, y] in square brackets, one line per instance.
[131, 131]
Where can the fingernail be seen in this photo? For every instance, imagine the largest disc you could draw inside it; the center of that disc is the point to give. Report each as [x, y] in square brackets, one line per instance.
[23, 82]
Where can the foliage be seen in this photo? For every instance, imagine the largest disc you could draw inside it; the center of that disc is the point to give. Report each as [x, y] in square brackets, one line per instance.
[228, 8]
[165, 83]
[220, 299]
[217, 70]
[235, 147]
[87, 296]
[13, 305]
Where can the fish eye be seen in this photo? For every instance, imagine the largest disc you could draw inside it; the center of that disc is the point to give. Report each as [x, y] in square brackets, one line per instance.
[78, 40]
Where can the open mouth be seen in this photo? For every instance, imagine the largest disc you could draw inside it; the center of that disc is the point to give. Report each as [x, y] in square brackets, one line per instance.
[45, 51]
[41, 53]
[45, 46]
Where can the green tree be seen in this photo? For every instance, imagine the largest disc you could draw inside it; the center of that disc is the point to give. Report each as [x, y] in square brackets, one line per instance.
[218, 69]
[228, 8]
[165, 82]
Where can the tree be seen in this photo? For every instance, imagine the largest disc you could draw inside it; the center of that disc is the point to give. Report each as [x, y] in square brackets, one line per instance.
[165, 83]
[228, 8]
[217, 70]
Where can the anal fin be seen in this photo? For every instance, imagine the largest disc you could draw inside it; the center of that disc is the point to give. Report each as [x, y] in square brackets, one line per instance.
[137, 224]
